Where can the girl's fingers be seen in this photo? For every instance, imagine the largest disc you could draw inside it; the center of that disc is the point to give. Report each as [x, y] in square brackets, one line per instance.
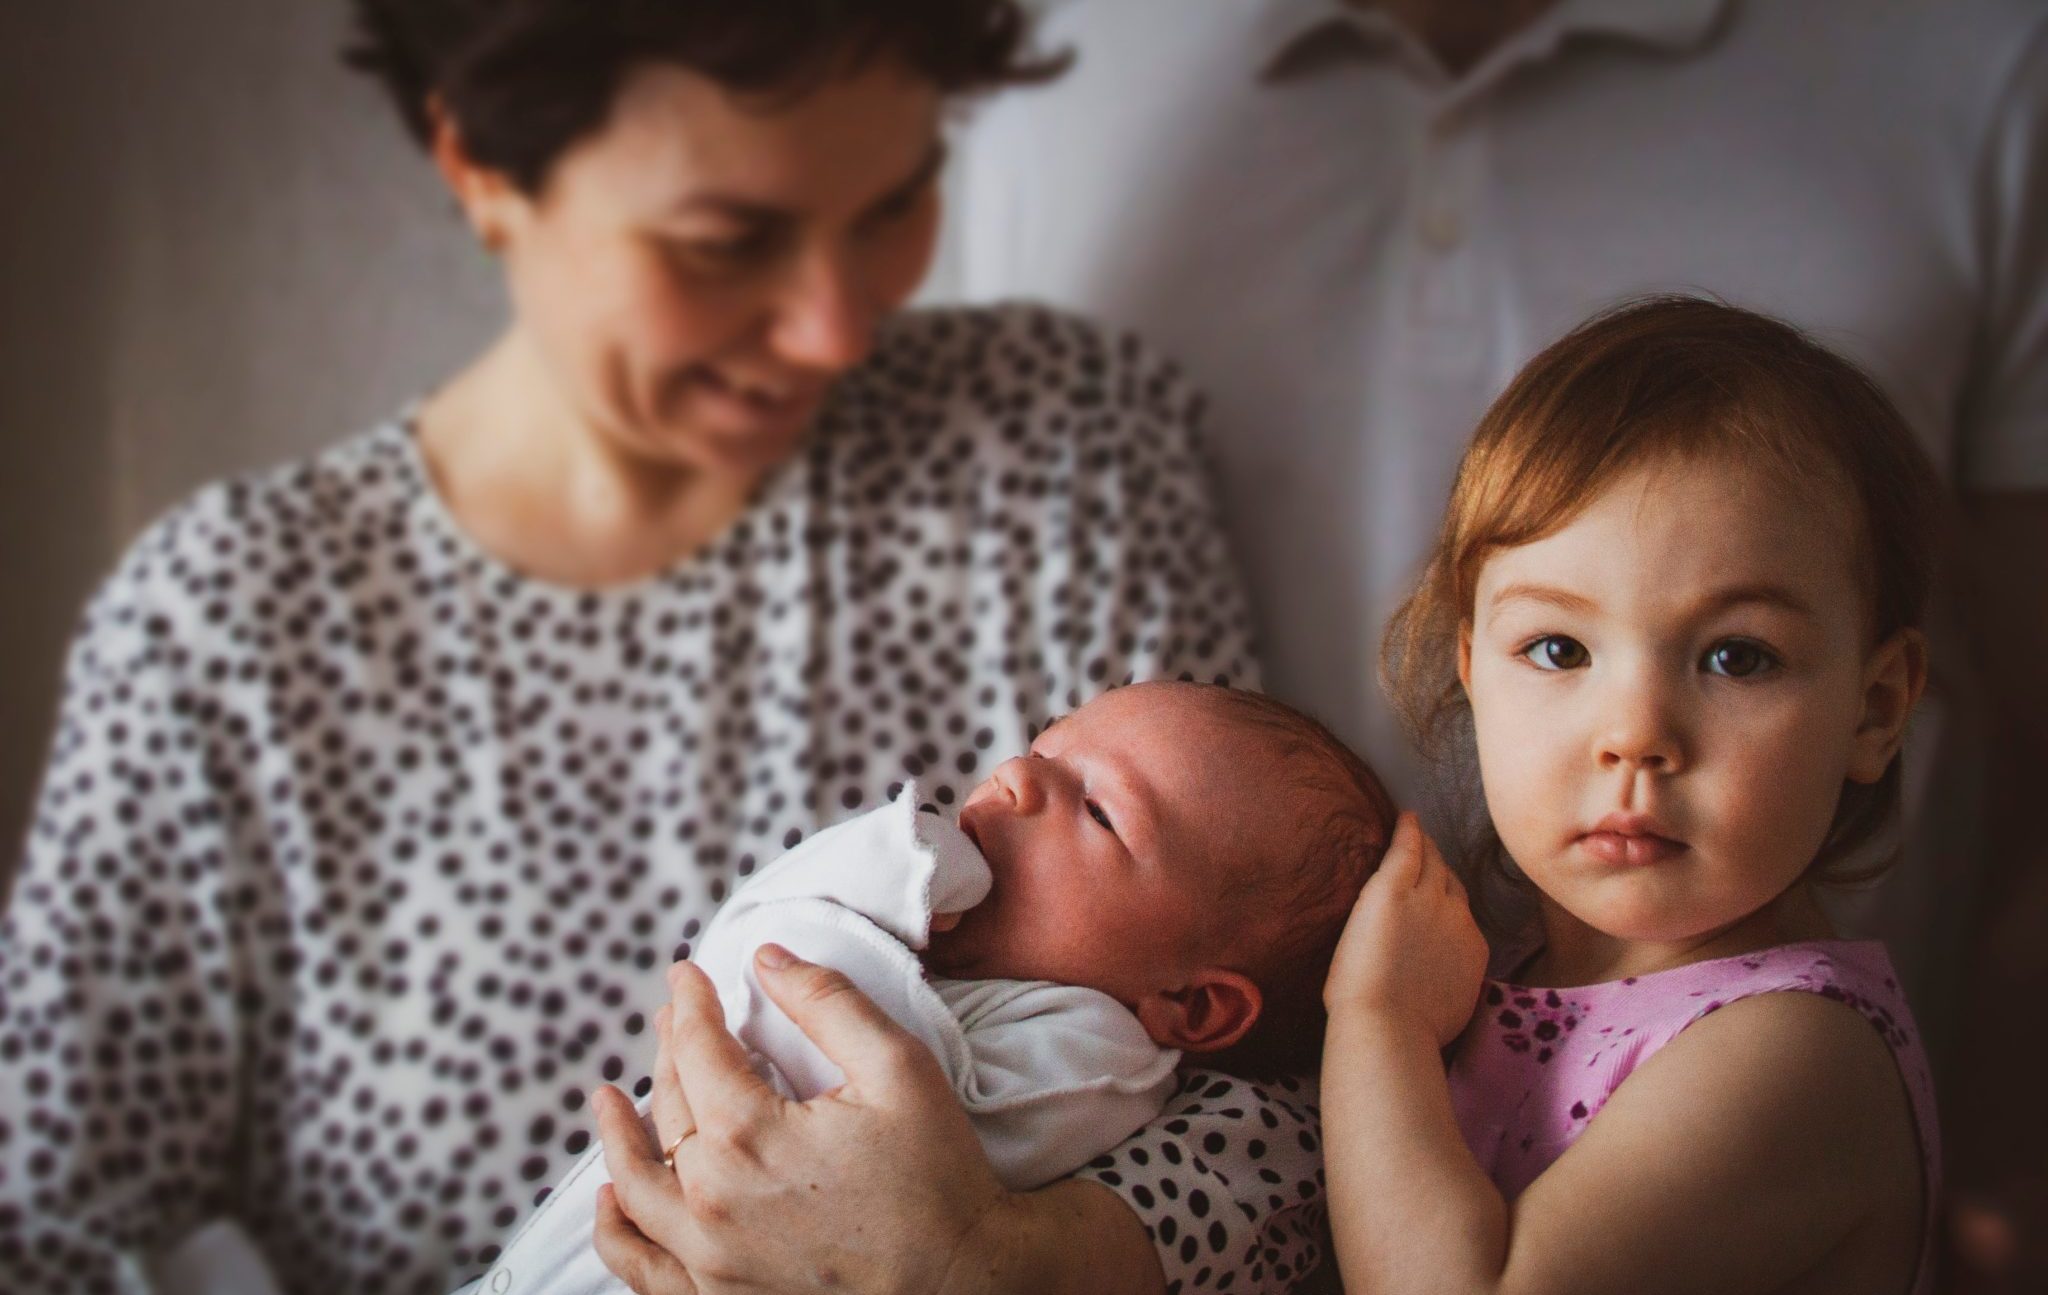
[647, 1189]
[1402, 865]
[635, 1260]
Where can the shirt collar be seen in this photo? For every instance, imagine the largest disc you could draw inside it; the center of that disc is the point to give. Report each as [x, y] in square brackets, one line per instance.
[1280, 30]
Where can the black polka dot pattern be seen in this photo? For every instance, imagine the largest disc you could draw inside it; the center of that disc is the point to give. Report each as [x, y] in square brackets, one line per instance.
[359, 857]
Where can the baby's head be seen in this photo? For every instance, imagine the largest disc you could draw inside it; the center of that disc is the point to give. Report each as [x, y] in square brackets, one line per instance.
[1190, 850]
[1673, 612]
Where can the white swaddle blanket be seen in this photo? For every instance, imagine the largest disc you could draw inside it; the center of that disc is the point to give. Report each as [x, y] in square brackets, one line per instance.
[1050, 1075]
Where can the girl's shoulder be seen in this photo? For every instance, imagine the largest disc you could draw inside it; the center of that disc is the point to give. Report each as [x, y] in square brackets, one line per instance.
[1750, 1046]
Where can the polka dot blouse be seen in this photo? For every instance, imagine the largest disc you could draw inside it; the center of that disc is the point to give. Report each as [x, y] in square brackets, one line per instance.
[360, 856]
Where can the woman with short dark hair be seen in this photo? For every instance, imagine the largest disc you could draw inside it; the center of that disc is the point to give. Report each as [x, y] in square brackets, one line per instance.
[386, 784]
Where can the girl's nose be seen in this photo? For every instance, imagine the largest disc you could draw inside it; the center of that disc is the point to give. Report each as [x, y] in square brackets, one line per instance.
[1640, 730]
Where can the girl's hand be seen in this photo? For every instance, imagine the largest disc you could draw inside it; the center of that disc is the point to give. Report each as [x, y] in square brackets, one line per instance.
[1411, 949]
[877, 1186]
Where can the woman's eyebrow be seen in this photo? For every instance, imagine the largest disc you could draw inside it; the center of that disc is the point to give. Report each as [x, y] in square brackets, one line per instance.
[741, 207]
[925, 172]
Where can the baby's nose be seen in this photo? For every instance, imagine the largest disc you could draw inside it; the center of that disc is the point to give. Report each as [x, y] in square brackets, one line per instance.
[1020, 779]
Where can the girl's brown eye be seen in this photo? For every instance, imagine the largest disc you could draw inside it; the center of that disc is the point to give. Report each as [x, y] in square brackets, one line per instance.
[1737, 659]
[1095, 812]
[1556, 652]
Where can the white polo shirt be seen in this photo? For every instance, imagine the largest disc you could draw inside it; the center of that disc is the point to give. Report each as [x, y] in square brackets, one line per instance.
[1353, 251]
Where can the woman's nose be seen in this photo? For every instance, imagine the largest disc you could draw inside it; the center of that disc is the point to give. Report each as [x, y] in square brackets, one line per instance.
[824, 320]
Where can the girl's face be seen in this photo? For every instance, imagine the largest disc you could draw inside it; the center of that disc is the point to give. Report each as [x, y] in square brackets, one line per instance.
[693, 276]
[1669, 693]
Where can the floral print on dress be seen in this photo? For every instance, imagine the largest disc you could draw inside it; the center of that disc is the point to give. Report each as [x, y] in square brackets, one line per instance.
[1537, 1065]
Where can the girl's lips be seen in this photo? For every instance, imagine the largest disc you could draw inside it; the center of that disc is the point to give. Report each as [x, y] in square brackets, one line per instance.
[1631, 849]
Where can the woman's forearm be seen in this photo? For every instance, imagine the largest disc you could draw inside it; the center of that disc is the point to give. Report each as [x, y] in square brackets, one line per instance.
[1409, 1208]
[1072, 1238]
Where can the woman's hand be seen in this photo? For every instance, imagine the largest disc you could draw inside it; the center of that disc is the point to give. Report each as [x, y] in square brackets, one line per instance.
[877, 1186]
[1411, 949]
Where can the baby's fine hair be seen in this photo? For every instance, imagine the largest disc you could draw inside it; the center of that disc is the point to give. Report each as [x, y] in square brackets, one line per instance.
[1294, 902]
[1657, 381]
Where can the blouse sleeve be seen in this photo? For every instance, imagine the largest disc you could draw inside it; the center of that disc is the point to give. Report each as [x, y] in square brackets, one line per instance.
[1228, 1180]
[120, 1020]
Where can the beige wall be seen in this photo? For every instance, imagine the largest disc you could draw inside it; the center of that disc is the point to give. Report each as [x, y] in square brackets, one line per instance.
[217, 250]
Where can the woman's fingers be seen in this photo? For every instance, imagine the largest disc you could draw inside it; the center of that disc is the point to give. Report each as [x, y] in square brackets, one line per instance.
[670, 1108]
[875, 1053]
[716, 1084]
[635, 1260]
[647, 1188]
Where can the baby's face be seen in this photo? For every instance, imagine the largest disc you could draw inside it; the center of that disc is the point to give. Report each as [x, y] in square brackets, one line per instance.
[1098, 842]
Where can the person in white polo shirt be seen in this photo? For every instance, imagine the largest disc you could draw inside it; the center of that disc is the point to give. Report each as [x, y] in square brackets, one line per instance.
[1354, 221]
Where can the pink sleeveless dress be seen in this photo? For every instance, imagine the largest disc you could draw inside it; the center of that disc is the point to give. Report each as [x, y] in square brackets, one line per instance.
[1537, 1065]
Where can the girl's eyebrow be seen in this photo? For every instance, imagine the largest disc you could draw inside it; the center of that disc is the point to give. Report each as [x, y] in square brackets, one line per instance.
[1773, 595]
[1562, 599]
[1768, 594]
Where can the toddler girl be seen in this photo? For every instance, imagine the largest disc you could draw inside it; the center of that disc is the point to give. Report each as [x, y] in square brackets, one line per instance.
[1675, 606]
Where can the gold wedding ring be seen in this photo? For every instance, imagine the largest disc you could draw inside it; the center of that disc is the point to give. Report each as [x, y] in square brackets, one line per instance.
[668, 1156]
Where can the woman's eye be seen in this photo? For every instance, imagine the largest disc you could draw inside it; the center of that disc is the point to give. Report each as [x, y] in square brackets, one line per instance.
[1737, 659]
[1095, 812]
[1556, 652]
[726, 253]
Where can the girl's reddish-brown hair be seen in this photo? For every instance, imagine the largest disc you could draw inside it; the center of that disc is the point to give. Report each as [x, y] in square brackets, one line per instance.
[1656, 381]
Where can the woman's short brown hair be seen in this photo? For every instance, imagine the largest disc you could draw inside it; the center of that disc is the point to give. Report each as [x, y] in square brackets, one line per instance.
[524, 79]
[1658, 380]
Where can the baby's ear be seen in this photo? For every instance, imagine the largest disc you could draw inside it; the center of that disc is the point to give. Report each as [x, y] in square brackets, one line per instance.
[1213, 1011]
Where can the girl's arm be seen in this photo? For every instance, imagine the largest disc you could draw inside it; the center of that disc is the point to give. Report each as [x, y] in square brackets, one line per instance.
[1770, 1140]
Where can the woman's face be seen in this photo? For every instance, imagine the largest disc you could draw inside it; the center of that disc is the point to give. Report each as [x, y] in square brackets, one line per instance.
[694, 276]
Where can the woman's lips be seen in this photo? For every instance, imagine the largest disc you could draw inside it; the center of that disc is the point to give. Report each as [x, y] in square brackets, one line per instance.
[744, 409]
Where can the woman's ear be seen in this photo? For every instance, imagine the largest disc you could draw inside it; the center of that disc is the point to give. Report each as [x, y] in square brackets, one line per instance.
[1893, 680]
[485, 195]
[1465, 656]
[1213, 1011]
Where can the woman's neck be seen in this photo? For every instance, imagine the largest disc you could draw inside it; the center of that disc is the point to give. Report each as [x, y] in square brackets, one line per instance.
[531, 482]
[1577, 954]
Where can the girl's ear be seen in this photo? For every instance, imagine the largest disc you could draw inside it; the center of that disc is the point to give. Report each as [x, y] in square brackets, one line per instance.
[486, 196]
[1893, 680]
[1465, 656]
[1213, 1011]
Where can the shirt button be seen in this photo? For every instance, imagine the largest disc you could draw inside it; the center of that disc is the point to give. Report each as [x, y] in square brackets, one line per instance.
[501, 1281]
[1442, 231]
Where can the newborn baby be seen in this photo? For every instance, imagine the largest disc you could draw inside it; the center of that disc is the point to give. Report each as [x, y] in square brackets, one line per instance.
[1165, 873]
